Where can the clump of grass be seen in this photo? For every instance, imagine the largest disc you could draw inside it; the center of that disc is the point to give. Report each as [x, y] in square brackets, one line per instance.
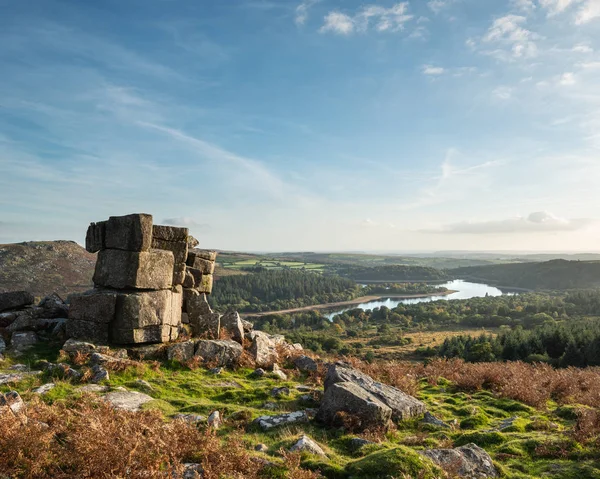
[398, 462]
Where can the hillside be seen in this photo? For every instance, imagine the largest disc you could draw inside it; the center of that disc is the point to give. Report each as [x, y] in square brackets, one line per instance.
[44, 267]
[556, 274]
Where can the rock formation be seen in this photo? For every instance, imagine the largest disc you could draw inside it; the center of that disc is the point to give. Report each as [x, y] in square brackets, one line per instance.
[146, 281]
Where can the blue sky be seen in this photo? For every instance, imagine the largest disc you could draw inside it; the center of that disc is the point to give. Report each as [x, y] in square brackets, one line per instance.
[305, 125]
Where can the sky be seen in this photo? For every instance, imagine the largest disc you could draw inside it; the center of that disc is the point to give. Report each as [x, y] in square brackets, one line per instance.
[314, 125]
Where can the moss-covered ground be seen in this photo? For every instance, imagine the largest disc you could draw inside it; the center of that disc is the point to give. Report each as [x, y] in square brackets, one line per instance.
[523, 441]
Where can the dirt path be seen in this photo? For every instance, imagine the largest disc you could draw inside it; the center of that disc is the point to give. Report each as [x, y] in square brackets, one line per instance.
[362, 299]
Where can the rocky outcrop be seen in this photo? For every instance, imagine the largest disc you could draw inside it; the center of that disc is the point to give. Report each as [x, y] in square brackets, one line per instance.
[218, 352]
[232, 324]
[305, 364]
[469, 461]
[263, 349]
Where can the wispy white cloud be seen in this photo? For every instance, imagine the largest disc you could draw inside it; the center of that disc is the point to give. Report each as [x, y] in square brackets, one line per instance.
[432, 70]
[526, 6]
[436, 6]
[302, 11]
[554, 7]
[379, 18]
[502, 93]
[588, 12]
[567, 79]
[508, 32]
[538, 222]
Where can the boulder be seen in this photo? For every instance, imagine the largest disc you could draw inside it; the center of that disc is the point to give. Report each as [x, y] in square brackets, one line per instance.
[178, 248]
[192, 470]
[134, 270]
[430, 419]
[188, 280]
[7, 318]
[363, 408]
[23, 340]
[181, 351]
[195, 253]
[2, 345]
[218, 352]
[305, 364]
[201, 318]
[202, 266]
[287, 419]
[192, 242]
[189, 418]
[205, 285]
[261, 448]
[54, 307]
[170, 233]
[280, 392]
[96, 306]
[147, 352]
[74, 346]
[214, 420]
[467, 461]
[99, 374]
[95, 237]
[247, 325]
[306, 444]
[129, 233]
[138, 310]
[279, 373]
[179, 274]
[150, 334]
[127, 400]
[15, 300]
[60, 370]
[232, 323]
[12, 401]
[402, 405]
[87, 330]
[44, 389]
[263, 350]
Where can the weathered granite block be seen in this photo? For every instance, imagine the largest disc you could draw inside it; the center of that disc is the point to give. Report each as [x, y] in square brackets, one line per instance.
[134, 270]
[129, 233]
[179, 274]
[150, 334]
[193, 254]
[148, 308]
[170, 233]
[206, 284]
[96, 306]
[15, 300]
[178, 248]
[201, 318]
[88, 330]
[95, 237]
[205, 266]
[188, 280]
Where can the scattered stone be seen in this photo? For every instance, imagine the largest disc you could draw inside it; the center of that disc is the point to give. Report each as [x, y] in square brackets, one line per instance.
[467, 461]
[269, 422]
[13, 401]
[402, 405]
[232, 323]
[279, 373]
[189, 418]
[219, 352]
[363, 407]
[54, 306]
[357, 443]
[73, 346]
[505, 424]
[15, 300]
[434, 421]
[147, 352]
[141, 383]
[269, 406]
[100, 374]
[111, 362]
[305, 364]
[181, 352]
[302, 388]
[23, 340]
[216, 371]
[19, 367]
[263, 349]
[127, 400]
[261, 448]
[192, 471]
[259, 373]
[93, 388]
[44, 388]
[10, 378]
[306, 398]
[306, 444]
[214, 420]
[280, 392]
[61, 370]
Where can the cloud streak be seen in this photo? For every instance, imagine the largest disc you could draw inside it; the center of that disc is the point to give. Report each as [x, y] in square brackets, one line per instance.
[369, 17]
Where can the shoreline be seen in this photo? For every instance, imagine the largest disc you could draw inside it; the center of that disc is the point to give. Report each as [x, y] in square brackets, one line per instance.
[362, 299]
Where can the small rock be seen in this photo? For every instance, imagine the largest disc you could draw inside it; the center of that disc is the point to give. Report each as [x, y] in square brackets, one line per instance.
[192, 471]
[357, 443]
[280, 392]
[247, 325]
[305, 364]
[19, 367]
[216, 371]
[23, 340]
[270, 406]
[306, 444]
[279, 373]
[10, 378]
[434, 421]
[44, 388]
[259, 373]
[13, 401]
[467, 461]
[127, 400]
[105, 360]
[305, 398]
[214, 419]
[144, 384]
[2, 345]
[269, 422]
[189, 418]
[93, 388]
[61, 370]
[304, 389]
[232, 323]
[73, 346]
[100, 374]
[261, 448]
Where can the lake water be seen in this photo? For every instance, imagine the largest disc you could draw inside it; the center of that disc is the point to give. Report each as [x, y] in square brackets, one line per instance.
[464, 290]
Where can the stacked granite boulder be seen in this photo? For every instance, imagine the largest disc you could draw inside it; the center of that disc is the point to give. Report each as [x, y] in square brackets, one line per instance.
[139, 277]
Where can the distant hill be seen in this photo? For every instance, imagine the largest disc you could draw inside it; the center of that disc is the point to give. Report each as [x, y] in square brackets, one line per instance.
[556, 274]
[44, 267]
[391, 273]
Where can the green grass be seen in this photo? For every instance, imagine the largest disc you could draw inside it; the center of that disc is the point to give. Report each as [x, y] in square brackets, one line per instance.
[537, 445]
